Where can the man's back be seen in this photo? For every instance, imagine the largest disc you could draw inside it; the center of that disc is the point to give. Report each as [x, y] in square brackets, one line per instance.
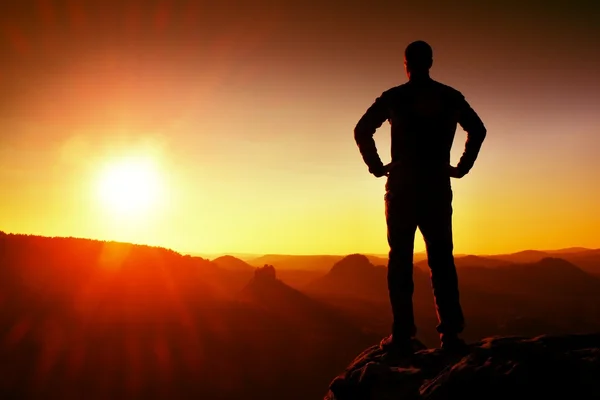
[423, 115]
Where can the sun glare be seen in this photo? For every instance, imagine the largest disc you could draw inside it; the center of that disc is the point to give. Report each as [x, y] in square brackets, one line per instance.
[130, 187]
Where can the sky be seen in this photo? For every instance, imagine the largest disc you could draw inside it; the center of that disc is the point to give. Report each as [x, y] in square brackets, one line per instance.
[236, 119]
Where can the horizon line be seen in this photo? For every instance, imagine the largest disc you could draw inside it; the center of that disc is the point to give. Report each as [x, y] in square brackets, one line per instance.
[258, 255]
[424, 252]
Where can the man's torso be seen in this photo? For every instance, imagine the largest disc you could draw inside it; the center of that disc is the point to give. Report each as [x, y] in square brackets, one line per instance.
[423, 117]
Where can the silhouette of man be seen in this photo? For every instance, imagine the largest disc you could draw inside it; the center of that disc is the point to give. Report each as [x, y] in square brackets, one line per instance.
[423, 115]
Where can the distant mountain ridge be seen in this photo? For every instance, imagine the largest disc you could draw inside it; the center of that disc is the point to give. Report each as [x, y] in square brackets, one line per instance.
[586, 259]
[311, 262]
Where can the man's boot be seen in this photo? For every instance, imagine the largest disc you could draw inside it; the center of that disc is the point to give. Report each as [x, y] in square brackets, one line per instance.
[399, 346]
[453, 343]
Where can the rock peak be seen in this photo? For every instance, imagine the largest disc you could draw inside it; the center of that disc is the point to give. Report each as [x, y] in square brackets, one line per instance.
[352, 262]
[265, 273]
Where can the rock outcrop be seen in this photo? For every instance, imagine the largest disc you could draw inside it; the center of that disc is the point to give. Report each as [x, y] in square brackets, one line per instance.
[266, 273]
[565, 367]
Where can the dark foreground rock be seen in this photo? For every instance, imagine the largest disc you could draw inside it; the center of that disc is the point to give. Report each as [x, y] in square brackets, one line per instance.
[566, 367]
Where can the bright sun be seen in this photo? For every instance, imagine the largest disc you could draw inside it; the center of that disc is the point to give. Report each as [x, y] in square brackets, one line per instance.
[130, 187]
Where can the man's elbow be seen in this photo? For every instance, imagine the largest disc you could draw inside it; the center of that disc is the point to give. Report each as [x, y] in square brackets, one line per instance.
[360, 133]
[479, 132]
[482, 133]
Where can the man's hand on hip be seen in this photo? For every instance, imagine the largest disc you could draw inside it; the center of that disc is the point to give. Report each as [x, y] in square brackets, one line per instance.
[455, 172]
[384, 170]
[379, 171]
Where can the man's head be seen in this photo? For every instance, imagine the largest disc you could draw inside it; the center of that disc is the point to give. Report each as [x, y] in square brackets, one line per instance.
[418, 58]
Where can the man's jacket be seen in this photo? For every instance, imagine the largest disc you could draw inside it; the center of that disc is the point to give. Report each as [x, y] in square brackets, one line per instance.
[423, 116]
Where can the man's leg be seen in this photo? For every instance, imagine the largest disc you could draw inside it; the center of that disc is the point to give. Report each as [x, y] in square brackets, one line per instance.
[435, 223]
[401, 228]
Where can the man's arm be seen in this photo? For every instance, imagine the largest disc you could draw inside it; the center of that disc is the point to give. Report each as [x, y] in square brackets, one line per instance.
[476, 132]
[375, 116]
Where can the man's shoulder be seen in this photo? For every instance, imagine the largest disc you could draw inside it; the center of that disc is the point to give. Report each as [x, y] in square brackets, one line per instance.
[406, 87]
[449, 90]
[394, 91]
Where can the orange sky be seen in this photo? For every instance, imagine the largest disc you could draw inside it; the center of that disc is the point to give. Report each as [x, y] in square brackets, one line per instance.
[247, 109]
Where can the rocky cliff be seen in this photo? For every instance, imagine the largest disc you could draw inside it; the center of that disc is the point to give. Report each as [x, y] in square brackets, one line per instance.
[566, 367]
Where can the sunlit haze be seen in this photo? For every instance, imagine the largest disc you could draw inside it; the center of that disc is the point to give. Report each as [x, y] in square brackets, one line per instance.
[129, 187]
[202, 129]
